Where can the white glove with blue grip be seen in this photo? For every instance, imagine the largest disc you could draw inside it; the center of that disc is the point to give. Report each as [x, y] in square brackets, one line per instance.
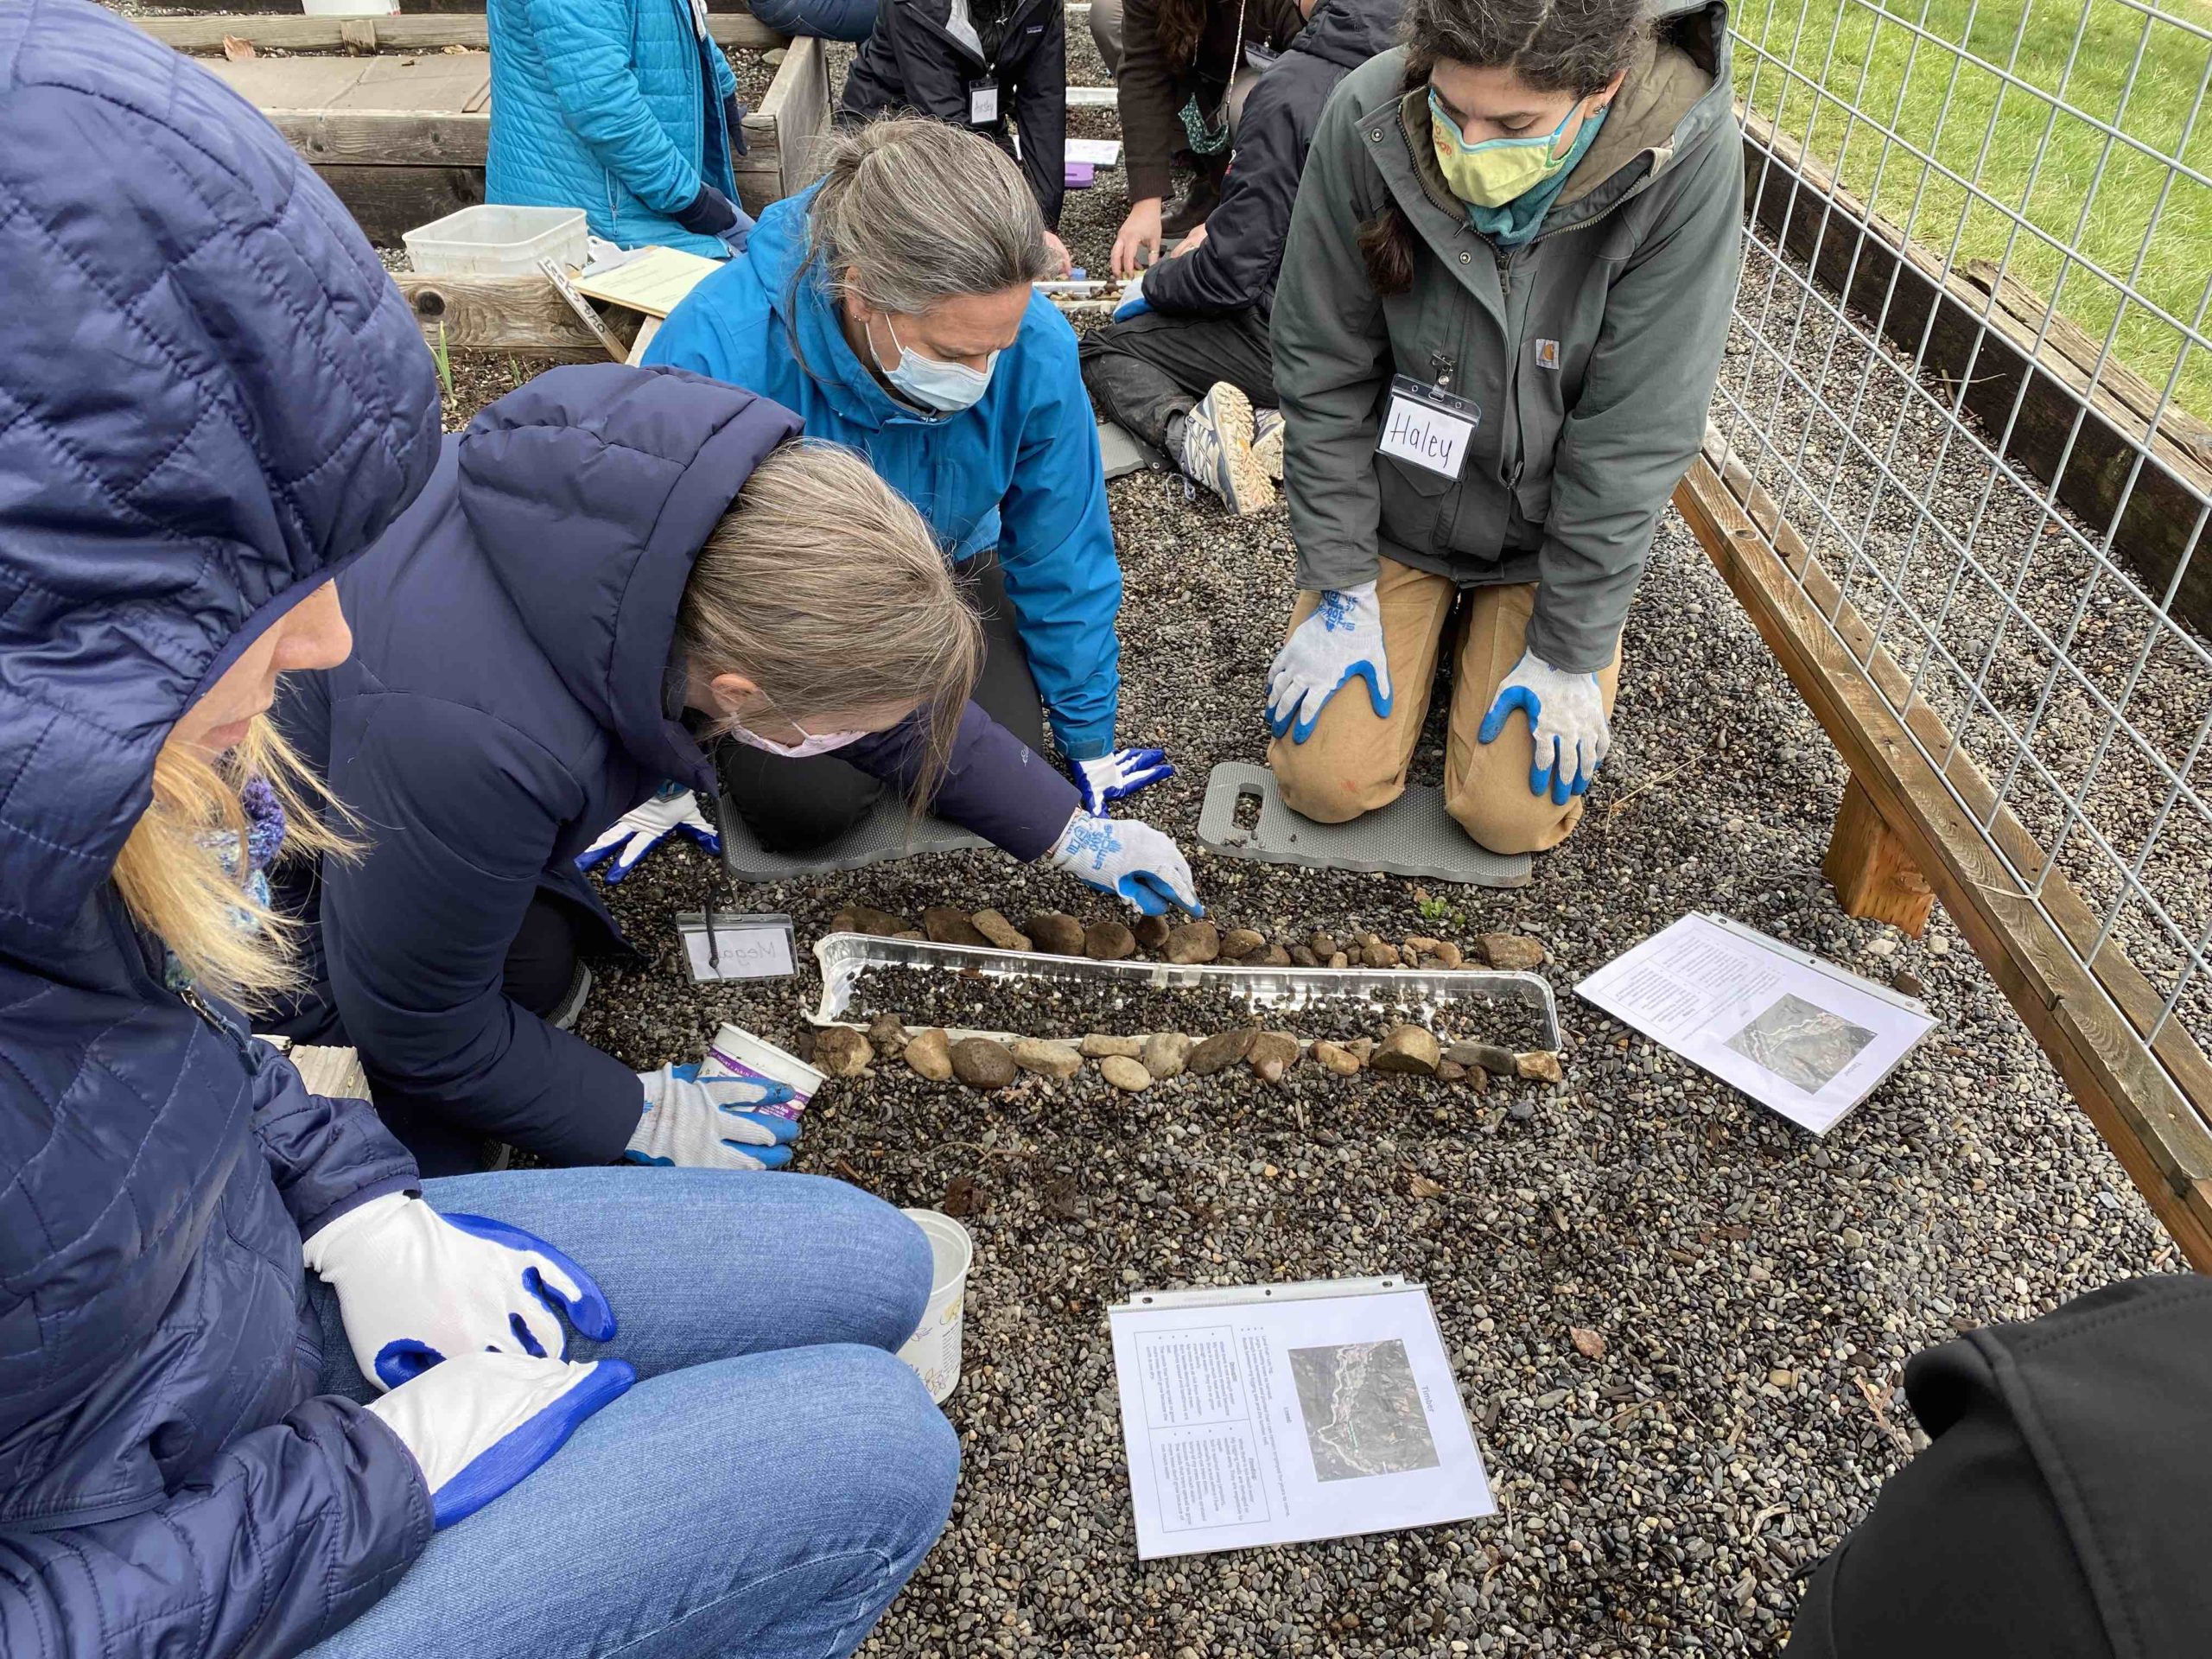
[1121, 855]
[1343, 638]
[635, 833]
[706, 1123]
[1566, 725]
[1117, 776]
[1133, 301]
[414, 1286]
[476, 1424]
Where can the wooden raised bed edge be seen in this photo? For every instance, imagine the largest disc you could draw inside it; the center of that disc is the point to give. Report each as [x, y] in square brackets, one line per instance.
[2150, 1102]
[1976, 338]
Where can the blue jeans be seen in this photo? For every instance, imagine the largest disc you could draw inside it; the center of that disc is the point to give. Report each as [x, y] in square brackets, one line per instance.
[833, 19]
[764, 1490]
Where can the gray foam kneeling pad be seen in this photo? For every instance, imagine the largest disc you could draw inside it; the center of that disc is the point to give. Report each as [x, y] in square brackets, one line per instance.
[888, 833]
[1413, 836]
[1121, 452]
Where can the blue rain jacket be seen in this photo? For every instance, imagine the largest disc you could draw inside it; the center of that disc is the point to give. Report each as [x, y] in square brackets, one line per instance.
[511, 694]
[1020, 471]
[217, 398]
[606, 105]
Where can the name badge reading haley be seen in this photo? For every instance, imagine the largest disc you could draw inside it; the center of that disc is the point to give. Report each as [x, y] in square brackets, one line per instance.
[982, 103]
[1429, 429]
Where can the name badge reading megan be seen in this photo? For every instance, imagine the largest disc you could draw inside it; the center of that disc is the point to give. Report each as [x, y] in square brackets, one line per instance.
[1427, 427]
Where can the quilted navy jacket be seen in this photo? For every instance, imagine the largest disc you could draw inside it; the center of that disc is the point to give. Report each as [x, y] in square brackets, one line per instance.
[216, 397]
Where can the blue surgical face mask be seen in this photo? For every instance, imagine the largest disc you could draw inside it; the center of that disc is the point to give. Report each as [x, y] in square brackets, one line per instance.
[928, 383]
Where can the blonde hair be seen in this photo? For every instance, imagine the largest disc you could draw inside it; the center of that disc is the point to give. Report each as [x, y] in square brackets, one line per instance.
[824, 587]
[184, 871]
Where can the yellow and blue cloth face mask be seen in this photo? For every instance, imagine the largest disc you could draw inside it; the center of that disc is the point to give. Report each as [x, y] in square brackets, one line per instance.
[1499, 170]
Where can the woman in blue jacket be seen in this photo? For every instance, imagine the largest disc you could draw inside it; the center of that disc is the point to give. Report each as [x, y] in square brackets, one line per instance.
[610, 570]
[263, 1390]
[624, 108]
[890, 306]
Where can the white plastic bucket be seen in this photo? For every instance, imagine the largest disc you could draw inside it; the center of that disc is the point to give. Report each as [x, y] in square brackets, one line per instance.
[934, 1349]
[739, 1050]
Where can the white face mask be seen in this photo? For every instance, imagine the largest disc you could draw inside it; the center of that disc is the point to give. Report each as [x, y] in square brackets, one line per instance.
[811, 744]
[930, 382]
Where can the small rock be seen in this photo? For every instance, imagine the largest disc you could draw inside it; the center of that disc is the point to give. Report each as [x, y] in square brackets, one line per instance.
[1164, 1054]
[1447, 955]
[1474, 1077]
[1514, 952]
[1272, 1054]
[1499, 1062]
[1410, 1051]
[863, 918]
[998, 931]
[1109, 942]
[1241, 941]
[1377, 955]
[1336, 1058]
[1193, 941]
[1276, 958]
[1152, 932]
[841, 1052]
[982, 1063]
[1098, 1045]
[1125, 1074]
[1883, 946]
[1303, 957]
[1219, 1052]
[1542, 1065]
[1907, 983]
[1056, 932]
[774, 56]
[1521, 1110]
[1339, 959]
[1045, 1059]
[963, 1195]
[886, 1034]
[1420, 944]
[910, 933]
[1323, 945]
[1451, 1071]
[1420, 1186]
[930, 1052]
[1590, 1345]
[946, 925]
[1361, 1049]
[1939, 946]
[1783, 1379]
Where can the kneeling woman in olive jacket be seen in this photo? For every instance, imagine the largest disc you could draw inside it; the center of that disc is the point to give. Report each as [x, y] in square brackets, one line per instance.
[1502, 310]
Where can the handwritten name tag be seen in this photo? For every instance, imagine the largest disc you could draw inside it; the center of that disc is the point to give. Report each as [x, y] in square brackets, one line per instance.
[1427, 429]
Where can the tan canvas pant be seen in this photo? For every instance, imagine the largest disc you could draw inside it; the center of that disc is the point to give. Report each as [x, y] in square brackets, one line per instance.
[1352, 763]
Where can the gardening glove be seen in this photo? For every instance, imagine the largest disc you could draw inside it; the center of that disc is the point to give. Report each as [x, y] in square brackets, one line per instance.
[699, 1122]
[1130, 858]
[1566, 725]
[635, 833]
[1134, 303]
[712, 213]
[478, 1424]
[1117, 776]
[1343, 638]
[414, 1286]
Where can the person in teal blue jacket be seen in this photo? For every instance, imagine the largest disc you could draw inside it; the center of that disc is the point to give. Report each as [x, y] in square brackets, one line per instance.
[890, 306]
[624, 108]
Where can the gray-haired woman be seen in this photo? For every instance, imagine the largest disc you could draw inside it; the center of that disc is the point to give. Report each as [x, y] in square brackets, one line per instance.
[891, 307]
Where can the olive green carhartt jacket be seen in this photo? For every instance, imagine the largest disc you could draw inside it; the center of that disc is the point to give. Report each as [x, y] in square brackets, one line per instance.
[1590, 352]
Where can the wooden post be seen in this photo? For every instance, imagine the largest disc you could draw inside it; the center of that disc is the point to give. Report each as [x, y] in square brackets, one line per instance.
[1873, 873]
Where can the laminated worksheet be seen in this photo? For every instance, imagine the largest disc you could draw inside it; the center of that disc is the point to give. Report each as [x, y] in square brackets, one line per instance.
[1803, 1037]
[1269, 1414]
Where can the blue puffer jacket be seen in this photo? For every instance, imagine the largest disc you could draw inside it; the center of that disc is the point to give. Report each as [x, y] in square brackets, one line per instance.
[1020, 471]
[607, 105]
[217, 399]
[509, 696]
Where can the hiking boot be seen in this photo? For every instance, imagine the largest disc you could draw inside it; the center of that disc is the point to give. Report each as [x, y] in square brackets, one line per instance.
[1267, 441]
[1218, 450]
[564, 1016]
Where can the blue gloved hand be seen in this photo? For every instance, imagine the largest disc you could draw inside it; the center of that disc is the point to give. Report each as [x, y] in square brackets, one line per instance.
[1567, 730]
[414, 1286]
[703, 1122]
[1124, 856]
[1117, 776]
[633, 834]
[1134, 303]
[1343, 637]
[476, 1424]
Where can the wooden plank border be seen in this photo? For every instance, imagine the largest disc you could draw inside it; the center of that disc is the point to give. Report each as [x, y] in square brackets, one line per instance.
[2158, 1132]
[1975, 339]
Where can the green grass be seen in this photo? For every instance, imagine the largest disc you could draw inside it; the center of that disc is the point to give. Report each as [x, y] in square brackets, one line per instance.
[1869, 54]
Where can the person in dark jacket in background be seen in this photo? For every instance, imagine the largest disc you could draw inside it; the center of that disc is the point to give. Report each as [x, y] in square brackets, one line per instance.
[2055, 1513]
[1182, 69]
[612, 569]
[263, 1391]
[828, 20]
[994, 66]
[1184, 364]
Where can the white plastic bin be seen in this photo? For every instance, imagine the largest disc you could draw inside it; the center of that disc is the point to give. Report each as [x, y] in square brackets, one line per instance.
[349, 7]
[934, 1350]
[489, 240]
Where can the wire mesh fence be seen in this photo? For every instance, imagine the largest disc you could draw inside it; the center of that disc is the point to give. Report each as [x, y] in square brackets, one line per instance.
[1970, 368]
